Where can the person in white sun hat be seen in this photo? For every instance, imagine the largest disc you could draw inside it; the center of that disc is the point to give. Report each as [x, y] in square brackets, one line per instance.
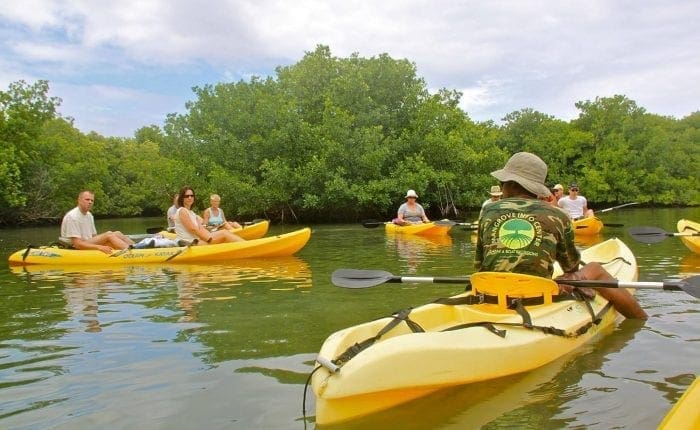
[410, 212]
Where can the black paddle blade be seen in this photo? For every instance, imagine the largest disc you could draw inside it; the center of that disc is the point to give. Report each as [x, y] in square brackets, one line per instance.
[154, 230]
[353, 278]
[371, 223]
[691, 286]
[648, 234]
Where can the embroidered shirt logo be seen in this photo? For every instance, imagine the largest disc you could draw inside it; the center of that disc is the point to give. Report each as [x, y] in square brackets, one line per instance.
[516, 233]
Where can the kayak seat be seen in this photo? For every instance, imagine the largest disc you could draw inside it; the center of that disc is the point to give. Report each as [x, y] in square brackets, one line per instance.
[507, 286]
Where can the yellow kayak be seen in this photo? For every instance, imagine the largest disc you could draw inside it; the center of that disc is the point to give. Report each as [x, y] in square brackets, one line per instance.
[692, 242]
[249, 232]
[423, 229]
[274, 246]
[588, 226]
[459, 343]
[685, 414]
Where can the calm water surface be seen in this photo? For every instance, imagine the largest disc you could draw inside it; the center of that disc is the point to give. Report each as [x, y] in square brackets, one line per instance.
[231, 345]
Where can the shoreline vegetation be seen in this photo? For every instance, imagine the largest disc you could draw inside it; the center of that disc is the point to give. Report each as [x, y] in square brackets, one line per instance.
[468, 215]
[332, 139]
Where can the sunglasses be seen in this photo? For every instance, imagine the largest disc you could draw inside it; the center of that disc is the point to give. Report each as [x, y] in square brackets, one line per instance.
[189, 195]
[573, 189]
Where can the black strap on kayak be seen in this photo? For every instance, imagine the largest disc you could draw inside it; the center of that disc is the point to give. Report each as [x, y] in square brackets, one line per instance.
[485, 324]
[478, 299]
[518, 305]
[26, 253]
[515, 303]
[397, 318]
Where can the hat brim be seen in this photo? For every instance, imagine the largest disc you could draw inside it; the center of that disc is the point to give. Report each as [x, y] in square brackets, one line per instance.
[536, 188]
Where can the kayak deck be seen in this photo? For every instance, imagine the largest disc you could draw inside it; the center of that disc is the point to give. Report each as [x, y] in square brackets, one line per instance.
[423, 229]
[459, 344]
[588, 226]
[274, 246]
[691, 242]
[247, 232]
[685, 413]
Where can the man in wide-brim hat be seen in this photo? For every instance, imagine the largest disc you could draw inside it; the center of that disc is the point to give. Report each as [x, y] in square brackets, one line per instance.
[544, 234]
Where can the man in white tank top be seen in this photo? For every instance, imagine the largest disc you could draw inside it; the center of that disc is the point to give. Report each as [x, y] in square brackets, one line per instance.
[576, 206]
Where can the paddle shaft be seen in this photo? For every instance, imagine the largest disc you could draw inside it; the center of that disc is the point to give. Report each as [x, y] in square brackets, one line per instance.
[185, 248]
[429, 279]
[574, 283]
[617, 207]
[352, 278]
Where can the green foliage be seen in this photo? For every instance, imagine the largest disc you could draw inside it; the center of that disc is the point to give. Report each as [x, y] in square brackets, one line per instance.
[333, 139]
[24, 109]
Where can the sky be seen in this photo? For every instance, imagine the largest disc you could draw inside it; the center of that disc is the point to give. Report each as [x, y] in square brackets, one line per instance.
[122, 65]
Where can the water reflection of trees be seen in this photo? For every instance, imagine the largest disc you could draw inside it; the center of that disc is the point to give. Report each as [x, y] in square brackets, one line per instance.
[413, 250]
[239, 310]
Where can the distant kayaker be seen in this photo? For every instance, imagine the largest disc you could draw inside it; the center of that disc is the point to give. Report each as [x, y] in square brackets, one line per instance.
[172, 212]
[558, 192]
[410, 212]
[523, 234]
[188, 227]
[214, 217]
[495, 193]
[78, 228]
[574, 204]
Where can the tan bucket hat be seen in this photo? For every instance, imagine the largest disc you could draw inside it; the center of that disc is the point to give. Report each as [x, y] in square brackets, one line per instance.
[527, 170]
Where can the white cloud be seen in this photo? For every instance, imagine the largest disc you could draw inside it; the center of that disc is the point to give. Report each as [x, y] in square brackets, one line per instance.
[503, 55]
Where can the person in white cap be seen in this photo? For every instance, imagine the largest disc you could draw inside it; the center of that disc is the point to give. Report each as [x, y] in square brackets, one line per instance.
[495, 193]
[544, 234]
[410, 212]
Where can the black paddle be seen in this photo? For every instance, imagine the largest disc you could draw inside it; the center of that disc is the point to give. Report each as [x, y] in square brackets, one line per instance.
[183, 249]
[354, 278]
[654, 235]
[370, 223]
[122, 251]
[617, 207]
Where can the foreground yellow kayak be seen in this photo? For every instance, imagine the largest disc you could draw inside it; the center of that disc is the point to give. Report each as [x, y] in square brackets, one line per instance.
[692, 242]
[588, 226]
[274, 246]
[685, 414]
[376, 365]
[424, 229]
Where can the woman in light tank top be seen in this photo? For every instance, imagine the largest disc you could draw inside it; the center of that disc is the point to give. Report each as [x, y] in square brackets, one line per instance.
[214, 217]
[188, 228]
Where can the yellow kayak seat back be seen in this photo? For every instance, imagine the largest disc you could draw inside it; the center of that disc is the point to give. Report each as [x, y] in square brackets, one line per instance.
[513, 285]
